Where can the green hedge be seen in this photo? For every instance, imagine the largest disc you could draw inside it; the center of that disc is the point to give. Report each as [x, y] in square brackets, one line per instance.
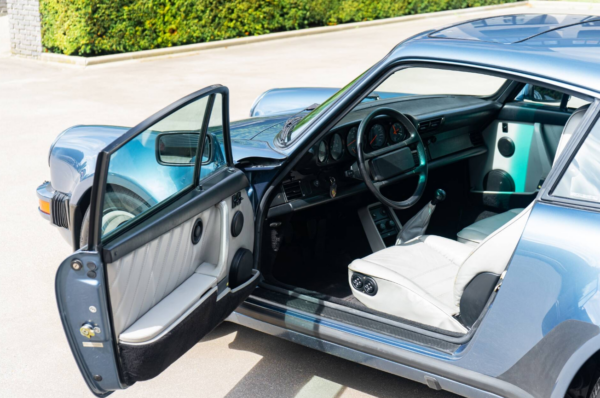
[94, 27]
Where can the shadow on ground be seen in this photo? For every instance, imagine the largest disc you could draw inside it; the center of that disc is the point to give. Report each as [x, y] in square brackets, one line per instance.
[289, 370]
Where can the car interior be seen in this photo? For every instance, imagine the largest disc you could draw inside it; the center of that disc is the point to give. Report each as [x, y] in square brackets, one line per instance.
[332, 246]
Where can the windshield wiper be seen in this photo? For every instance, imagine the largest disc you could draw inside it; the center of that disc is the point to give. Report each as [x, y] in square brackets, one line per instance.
[294, 120]
[290, 124]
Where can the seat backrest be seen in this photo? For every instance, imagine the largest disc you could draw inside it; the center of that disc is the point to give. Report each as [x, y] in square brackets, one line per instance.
[494, 253]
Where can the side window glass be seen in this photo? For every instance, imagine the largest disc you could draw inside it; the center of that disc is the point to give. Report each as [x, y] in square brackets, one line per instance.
[159, 163]
[581, 181]
[213, 158]
[574, 103]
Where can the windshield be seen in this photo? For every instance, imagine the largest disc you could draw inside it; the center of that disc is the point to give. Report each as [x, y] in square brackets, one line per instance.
[285, 137]
[417, 81]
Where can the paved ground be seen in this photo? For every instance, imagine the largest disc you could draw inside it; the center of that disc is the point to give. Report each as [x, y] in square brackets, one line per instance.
[37, 101]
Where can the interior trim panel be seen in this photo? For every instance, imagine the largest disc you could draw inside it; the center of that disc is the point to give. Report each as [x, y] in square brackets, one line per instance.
[218, 186]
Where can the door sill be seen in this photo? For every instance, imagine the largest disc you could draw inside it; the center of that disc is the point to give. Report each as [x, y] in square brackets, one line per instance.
[323, 308]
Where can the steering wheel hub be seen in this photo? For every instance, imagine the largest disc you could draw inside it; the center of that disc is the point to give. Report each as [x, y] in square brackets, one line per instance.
[392, 163]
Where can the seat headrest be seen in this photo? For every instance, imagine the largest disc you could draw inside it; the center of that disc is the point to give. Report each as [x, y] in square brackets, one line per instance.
[569, 129]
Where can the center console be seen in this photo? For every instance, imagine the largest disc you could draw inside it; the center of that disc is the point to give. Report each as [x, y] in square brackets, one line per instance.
[380, 224]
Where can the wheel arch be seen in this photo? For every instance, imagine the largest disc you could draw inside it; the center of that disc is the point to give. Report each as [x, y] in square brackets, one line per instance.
[78, 212]
[588, 355]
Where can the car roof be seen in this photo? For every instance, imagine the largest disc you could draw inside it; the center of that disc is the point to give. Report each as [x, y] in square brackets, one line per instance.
[561, 48]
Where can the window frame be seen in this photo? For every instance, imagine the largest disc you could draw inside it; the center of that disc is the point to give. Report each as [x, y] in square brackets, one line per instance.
[589, 121]
[561, 107]
[99, 185]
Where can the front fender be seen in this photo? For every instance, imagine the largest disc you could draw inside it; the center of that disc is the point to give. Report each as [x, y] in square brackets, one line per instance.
[280, 101]
[73, 157]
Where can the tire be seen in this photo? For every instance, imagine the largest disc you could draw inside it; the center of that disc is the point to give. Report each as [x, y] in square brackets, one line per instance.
[120, 205]
[84, 230]
[595, 393]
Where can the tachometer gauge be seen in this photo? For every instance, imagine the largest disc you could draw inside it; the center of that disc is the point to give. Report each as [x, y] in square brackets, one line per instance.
[351, 141]
[377, 136]
[397, 133]
[336, 147]
[322, 153]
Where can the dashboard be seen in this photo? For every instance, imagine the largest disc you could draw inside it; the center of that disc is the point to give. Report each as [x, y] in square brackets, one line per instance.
[450, 128]
[341, 143]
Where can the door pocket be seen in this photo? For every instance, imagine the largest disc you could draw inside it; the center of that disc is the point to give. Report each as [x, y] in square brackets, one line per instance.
[145, 361]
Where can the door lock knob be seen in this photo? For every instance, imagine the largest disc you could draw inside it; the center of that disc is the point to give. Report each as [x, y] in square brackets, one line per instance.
[87, 330]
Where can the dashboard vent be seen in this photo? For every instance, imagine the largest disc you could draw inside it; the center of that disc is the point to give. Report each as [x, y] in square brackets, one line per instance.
[476, 139]
[60, 210]
[292, 190]
[429, 125]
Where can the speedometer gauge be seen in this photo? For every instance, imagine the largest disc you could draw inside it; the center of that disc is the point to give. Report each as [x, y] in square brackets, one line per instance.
[377, 136]
[336, 147]
[351, 141]
[322, 153]
[397, 133]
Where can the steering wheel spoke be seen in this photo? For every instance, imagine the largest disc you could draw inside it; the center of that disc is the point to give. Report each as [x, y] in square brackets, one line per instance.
[387, 149]
[364, 160]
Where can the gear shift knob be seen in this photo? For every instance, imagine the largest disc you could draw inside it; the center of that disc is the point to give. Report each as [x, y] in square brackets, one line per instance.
[440, 195]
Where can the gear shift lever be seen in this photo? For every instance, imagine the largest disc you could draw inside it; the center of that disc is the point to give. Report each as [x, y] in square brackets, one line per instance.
[440, 196]
[418, 224]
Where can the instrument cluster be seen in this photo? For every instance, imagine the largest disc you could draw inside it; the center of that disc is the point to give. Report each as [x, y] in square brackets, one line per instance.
[342, 142]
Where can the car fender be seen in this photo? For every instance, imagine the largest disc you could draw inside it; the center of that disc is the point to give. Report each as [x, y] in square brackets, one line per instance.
[279, 101]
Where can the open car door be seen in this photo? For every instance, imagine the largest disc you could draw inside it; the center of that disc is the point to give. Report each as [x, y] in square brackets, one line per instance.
[170, 245]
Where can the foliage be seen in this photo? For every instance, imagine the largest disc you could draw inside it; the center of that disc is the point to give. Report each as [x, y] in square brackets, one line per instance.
[94, 27]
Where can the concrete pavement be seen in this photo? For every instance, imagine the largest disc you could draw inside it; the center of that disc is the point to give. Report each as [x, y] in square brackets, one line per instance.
[37, 101]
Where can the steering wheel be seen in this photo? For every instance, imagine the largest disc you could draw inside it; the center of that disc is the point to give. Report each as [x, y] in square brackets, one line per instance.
[392, 163]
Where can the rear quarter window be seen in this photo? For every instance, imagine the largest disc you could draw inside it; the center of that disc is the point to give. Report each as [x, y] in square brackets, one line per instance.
[581, 180]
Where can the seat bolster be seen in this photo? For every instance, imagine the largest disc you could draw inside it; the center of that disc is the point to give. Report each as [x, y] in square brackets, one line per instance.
[492, 256]
[476, 233]
[396, 295]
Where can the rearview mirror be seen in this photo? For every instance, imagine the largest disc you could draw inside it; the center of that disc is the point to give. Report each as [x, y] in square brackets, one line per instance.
[179, 149]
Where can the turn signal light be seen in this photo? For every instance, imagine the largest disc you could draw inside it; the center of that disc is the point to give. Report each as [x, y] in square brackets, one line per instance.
[45, 206]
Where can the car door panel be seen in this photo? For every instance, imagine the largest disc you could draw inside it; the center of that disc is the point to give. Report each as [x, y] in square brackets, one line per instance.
[139, 281]
[163, 278]
[533, 132]
[95, 356]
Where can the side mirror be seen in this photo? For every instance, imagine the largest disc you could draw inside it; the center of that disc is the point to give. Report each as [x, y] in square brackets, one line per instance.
[179, 149]
[539, 95]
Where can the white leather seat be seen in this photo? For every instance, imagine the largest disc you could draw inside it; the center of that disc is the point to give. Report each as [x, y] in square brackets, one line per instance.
[423, 280]
[475, 233]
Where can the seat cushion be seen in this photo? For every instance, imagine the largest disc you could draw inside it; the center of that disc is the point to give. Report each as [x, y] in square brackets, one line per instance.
[416, 280]
[476, 233]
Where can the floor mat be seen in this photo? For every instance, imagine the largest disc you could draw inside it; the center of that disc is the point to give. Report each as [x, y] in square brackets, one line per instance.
[319, 250]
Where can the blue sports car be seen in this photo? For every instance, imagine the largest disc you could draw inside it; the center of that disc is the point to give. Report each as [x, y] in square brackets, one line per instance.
[438, 218]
